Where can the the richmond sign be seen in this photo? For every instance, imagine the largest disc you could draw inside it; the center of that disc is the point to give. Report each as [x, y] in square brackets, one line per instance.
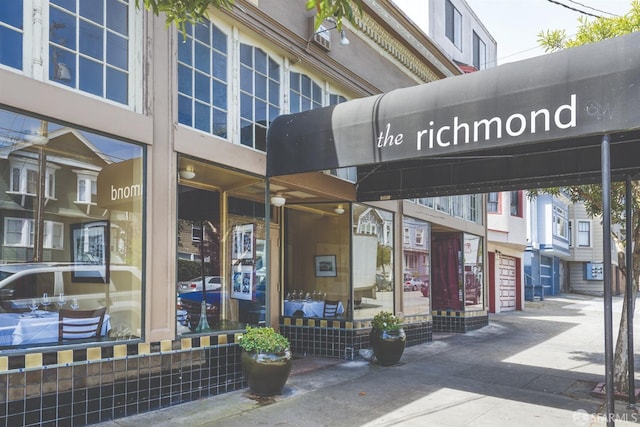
[486, 129]
[569, 95]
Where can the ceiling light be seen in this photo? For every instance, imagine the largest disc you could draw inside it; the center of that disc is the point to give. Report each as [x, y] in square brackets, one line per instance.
[187, 173]
[339, 209]
[278, 200]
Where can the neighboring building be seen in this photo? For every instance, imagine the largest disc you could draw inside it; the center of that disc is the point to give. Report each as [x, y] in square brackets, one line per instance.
[585, 263]
[133, 158]
[507, 233]
[456, 29]
[547, 246]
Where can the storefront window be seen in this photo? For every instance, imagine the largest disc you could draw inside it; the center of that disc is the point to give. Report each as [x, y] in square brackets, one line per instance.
[457, 266]
[416, 254]
[317, 260]
[227, 253]
[473, 272]
[372, 254]
[62, 251]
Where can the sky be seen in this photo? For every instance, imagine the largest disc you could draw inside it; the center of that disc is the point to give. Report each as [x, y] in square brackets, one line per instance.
[515, 24]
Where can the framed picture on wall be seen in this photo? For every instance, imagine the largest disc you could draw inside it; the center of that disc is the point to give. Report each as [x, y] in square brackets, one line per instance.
[242, 282]
[90, 252]
[326, 266]
[243, 242]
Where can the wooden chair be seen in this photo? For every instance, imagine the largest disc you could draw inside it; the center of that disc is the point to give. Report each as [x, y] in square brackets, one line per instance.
[330, 308]
[80, 324]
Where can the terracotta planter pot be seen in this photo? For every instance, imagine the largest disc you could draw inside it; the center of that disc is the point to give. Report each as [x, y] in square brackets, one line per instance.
[266, 373]
[388, 346]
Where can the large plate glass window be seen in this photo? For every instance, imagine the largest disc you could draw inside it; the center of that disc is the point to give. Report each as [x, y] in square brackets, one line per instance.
[317, 265]
[416, 256]
[71, 211]
[372, 252]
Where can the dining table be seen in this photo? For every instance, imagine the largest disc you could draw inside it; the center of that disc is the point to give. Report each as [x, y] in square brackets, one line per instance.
[309, 308]
[39, 327]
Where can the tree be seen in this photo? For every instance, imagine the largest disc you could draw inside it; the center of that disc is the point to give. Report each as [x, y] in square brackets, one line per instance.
[180, 12]
[590, 31]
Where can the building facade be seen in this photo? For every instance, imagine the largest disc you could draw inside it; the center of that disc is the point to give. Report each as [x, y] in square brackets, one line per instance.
[133, 192]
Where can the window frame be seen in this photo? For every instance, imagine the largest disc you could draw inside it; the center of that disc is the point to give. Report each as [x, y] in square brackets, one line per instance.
[497, 202]
[581, 233]
[453, 24]
[479, 52]
[25, 168]
[215, 75]
[27, 229]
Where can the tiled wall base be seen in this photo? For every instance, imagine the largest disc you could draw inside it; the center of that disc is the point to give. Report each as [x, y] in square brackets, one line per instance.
[459, 321]
[84, 391]
[342, 339]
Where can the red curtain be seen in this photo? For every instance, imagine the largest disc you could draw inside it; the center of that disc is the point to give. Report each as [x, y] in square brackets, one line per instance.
[446, 253]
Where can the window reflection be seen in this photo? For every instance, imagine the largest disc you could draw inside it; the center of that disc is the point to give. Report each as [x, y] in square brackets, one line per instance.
[372, 254]
[71, 215]
[457, 278]
[234, 296]
[416, 251]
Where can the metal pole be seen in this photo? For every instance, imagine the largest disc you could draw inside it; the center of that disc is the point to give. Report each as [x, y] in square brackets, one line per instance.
[628, 201]
[606, 249]
[267, 253]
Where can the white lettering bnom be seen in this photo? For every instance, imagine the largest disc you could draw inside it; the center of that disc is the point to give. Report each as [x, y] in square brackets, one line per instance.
[126, 192]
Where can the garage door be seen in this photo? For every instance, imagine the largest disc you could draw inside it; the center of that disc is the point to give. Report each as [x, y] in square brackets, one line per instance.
[507, 283]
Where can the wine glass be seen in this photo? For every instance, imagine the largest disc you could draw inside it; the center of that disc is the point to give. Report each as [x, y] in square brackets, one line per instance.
[45, 301]
[33, 306]
[61, 300]
[74, 304]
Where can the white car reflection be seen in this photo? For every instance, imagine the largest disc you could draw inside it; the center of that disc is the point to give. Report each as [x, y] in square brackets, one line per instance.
[214, 283]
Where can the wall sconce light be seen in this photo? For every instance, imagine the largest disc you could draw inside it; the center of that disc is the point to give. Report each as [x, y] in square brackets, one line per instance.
[278, 200]
[339, 209]
[187, 173]
[344, 41]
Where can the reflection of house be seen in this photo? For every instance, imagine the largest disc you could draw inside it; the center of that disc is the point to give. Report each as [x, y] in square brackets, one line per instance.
[415, 246]
[71, 161]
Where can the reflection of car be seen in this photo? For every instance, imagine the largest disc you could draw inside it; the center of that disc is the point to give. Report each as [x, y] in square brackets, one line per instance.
[413, 284]
[214, 283]
[425, 289]
[22, 282]
[189, 305]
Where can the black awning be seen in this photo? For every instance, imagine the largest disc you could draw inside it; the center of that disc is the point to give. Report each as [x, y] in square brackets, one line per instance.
[537, 121]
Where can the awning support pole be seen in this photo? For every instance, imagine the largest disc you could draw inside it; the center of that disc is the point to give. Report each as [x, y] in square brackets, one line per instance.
[266, 260]
[628, 200]
[606, 249]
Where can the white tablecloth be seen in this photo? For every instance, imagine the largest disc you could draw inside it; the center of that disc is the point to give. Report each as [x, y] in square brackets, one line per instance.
[309, 308]
[23, 329]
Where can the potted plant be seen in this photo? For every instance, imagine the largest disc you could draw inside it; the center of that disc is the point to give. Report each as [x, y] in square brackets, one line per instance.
[387, 338]
[266, 360]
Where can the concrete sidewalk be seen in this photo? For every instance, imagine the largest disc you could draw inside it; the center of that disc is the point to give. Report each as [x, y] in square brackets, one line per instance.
[536, 367]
